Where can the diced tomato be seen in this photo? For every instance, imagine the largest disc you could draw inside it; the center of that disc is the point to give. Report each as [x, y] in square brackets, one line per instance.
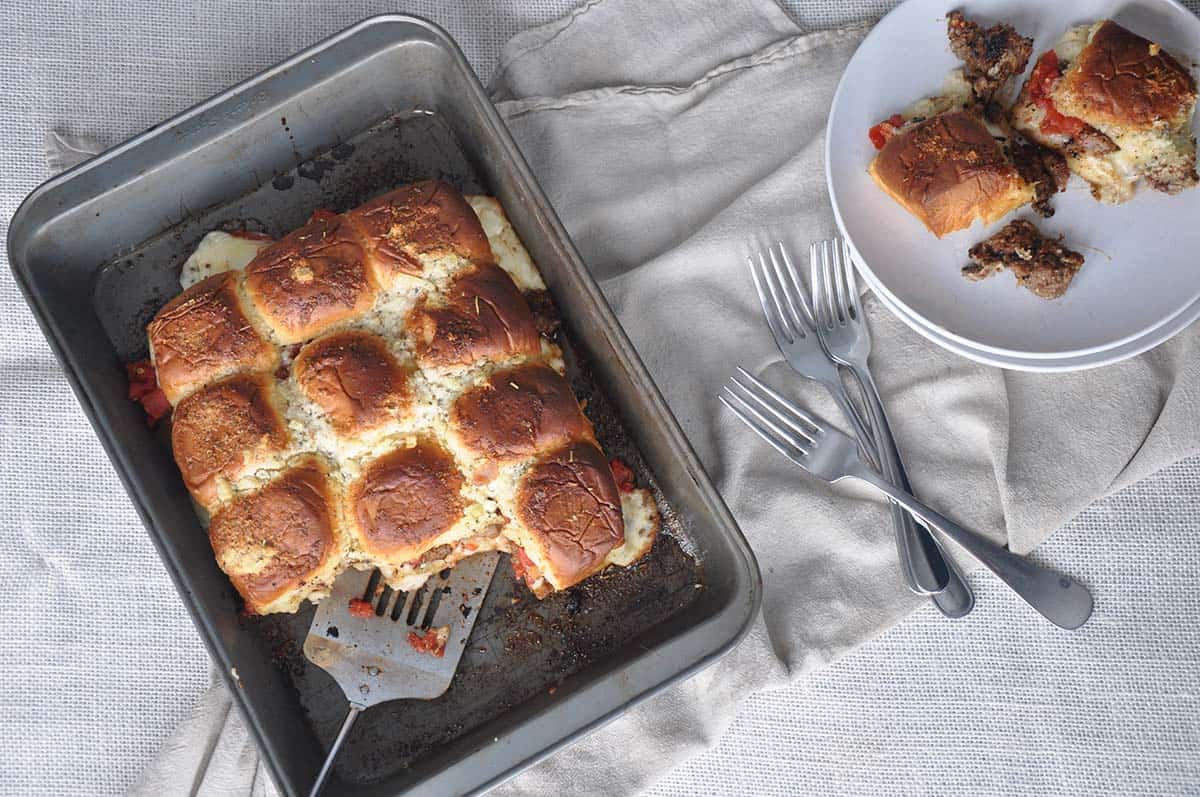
[432, 641]
[623, 475]
[1041, 88]
[143, 388]
[521, 565]
[1055, 123]
[251, 235]
[321, 214]
[1045, 74]
[880, 133]
[141, 379]
[360, 608]
[156, 406]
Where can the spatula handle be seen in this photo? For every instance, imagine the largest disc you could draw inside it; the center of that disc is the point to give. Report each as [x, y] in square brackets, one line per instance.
[327, 767]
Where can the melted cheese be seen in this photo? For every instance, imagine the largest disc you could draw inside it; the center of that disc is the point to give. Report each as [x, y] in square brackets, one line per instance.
[641, 527]
[510, 253]
[218, 252]
[1072, 43]
[955, 95]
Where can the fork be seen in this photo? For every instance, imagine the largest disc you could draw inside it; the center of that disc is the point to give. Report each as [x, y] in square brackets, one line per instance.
[844, 333]
[828, 454]
[794, 326]
[792, 323]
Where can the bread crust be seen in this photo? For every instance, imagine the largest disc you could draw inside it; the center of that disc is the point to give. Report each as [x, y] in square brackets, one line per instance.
[1123, 80]
[949, 171]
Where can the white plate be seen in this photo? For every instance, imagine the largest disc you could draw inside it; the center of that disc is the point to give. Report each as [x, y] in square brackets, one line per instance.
[1141, 280]
[1081, 362]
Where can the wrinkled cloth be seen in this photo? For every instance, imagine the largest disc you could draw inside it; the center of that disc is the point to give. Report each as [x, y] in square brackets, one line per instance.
[684, 136]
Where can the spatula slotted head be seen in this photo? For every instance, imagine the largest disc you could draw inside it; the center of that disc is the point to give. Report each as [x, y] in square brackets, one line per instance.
[372, 657]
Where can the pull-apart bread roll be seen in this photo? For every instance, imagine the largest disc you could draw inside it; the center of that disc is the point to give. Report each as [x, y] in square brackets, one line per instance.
[481, 316]
[283, 542]
[203, 334]
[567, 517]
[372, 390]
[945, 162]
[225, 432]
[421, 230]
[1118, 106]
[310, 280]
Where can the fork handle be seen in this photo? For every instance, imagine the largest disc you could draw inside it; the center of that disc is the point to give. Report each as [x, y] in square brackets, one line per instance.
[1059, 598]
[924, 567]
[866, 440]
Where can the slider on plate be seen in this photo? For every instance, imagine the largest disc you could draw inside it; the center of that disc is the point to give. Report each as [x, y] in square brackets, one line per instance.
[1118, 106]
[945, 163]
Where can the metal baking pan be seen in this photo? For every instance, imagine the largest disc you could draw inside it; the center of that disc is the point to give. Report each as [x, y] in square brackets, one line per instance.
[96, 252]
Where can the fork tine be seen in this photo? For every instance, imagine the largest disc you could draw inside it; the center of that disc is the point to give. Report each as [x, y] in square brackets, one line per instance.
[816, 255]
[749, 416]
[783, 404]
[851, 284]
[829, 275]
[838, 268]
[793, 294]
[798, 289]
[769, 303]
[796, 430]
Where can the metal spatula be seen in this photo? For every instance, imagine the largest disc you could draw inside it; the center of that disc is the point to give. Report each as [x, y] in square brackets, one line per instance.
[371, 657]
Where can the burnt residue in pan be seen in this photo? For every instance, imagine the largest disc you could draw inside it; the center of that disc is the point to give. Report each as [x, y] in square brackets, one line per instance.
[522, 650]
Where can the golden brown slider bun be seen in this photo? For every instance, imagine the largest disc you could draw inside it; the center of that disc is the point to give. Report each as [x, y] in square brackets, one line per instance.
[1121, 79]
[203, 334]
[1117, 106]
[407, 229]
[355, 379]
[225, 430]
[282, 543]
[949, 171]
[568, 514]
[482, 316]
[404, 500]
[517, 412]
[310, 279]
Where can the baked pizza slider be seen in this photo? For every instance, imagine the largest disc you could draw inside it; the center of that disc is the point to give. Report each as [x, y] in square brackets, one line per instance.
[1118, 106]
[946, 164]
[373, 390]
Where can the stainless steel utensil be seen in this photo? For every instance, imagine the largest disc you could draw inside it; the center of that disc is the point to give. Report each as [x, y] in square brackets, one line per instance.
[791, 322]
[844, 333]
[371, 657]
[823, 451]
[794, 326]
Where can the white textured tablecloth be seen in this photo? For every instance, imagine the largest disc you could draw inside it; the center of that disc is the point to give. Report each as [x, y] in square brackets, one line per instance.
[993, 704]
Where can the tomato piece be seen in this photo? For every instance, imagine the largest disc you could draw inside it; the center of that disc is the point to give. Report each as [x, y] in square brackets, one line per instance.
[156, 406]
[881, 133]
[1055, 123]
[1041, 88]
[142, 379]
[522, 565]
[623, 475]
[360, 608]
[432, 641]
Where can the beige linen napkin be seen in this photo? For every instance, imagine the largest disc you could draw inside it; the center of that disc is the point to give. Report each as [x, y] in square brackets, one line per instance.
[673, 139]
